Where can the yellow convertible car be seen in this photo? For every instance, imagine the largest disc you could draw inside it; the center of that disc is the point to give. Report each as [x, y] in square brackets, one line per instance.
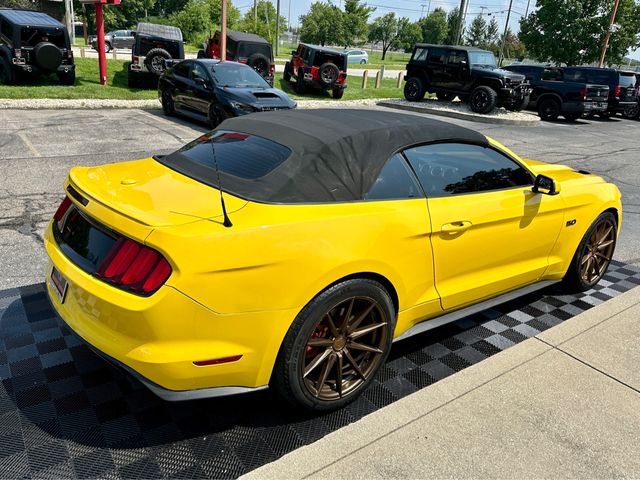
[290, 249]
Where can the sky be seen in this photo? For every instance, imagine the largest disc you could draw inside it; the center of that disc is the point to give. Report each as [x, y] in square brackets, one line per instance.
[415, 8]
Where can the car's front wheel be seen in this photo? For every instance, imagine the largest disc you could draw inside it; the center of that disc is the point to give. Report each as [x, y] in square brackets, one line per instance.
[414, 89]
[107, 47]
[483, 99]
[335, 346]
[593, 256]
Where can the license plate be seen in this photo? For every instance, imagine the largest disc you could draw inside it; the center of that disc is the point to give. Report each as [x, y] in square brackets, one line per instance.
[59, 284]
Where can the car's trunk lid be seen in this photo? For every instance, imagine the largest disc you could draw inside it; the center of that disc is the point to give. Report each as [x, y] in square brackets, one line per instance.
[150, 193]
[597, 93]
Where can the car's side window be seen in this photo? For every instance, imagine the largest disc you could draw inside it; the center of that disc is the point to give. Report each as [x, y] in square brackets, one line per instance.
[455, 168]
[6, 29]
[182, 69]
[395, 182]
[437, 56]
[198, 72]
[420, 54]
[456, 57]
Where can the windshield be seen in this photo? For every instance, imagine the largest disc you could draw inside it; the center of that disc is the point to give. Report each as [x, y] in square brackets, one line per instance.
[237, 75]
[482, 59]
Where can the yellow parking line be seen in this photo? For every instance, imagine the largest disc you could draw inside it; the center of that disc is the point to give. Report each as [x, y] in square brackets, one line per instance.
[29, 145]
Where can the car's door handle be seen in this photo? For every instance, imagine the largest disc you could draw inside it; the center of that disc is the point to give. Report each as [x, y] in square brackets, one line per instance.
[454, 227]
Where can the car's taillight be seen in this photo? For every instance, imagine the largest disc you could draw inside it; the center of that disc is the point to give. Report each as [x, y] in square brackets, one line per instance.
[583, 94]
[244, 60]
[70, 54]
[135, 60]
[62, 209]
[134, 267]
[616, 92]
[18, 53]
[272, 69]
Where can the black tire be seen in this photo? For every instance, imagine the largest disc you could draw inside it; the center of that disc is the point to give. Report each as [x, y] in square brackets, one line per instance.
[107, 47]
[200, 54]
[549, 109]
[133, 78]
[363, 62]
[168, 106]
[47, 56]
[7, 74]
[328, 74]
[67, 78]
[286, 75]
[155, 60]
[414, 89]
[483, 99]
[445, 97]
[338, 93]
[632, 112]
[259, 63]
[217, 115]
[312, 324]
[300, 86]
[572, 117]
[574, 280]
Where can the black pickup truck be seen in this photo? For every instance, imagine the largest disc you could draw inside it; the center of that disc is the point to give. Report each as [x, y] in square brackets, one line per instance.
[553, 95]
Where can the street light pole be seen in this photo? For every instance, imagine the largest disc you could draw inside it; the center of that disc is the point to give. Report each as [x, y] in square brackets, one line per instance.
[461, 21]
[504, 35]
[603, 53]
[277, 25]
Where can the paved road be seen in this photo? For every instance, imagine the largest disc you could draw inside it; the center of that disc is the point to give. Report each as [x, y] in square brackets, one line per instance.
[37, 148]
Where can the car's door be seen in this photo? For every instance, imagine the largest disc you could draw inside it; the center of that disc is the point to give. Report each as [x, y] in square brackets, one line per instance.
[436, 60]
[456, 62]
[118, 39]
[181, 84]
[128, 40]
[490, 232]
[202, 89]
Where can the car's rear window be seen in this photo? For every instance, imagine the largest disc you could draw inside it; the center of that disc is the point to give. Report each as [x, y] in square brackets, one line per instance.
[31, 36]
[627, 79]
[237, 154]
[592, 76]
[245, 50]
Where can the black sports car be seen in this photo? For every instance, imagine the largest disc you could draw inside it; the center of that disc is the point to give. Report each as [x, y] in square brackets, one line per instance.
[211, 90]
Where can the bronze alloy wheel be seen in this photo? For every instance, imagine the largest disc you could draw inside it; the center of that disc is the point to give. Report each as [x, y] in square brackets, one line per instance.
[345, 348]
[597, 252]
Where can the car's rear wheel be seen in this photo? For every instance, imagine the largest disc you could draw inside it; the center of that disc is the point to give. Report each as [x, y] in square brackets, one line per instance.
[593, 256]
[483, 99]
[338, 93]
[7, 74]
[107, 47]
[335, 346]
[168, 107]
[632, 112]
[300, 86]
[363, 61]
[548, 109]
[445, 97]
[286, 75]
[201, 54]
[414, 89]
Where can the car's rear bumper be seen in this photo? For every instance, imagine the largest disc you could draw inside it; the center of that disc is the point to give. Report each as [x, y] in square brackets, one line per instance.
[158, 338]
[28, 68]
[587, 106]
[621, 106]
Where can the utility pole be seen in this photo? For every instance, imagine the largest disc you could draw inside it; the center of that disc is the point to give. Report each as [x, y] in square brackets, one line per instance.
[68, 15]
[289, 18]
[255, 14]
[277, 25]
[223, 32]
[461, 21]
[504, 35]
[526, 12]
[608, 35]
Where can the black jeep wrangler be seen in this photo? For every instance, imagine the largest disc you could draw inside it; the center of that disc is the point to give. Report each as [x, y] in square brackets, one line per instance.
[154, 45]
[469, 73]
[317, 67]
[34, 43]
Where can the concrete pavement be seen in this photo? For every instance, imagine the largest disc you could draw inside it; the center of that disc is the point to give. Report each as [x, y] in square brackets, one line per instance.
[563, 404]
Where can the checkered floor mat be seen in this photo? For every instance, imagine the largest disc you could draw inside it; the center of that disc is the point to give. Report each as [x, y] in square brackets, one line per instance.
[64, 412]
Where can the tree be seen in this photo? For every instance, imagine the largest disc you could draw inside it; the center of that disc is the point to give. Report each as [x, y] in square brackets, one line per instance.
[434, 27]
[572, 31]
[323, 24]
[264, 21]
[493, 35]
[453, 21]
[194, 20]
[355, 20]
[477, 34]
[408, 34]
[513, 47]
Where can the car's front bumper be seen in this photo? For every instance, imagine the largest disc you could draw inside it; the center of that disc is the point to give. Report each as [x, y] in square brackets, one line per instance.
[158, 338]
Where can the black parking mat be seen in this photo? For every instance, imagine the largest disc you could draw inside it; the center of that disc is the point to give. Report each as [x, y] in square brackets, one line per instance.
[65, 412]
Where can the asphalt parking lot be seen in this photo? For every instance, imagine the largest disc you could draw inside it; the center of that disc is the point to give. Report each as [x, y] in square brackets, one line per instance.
[38, 147]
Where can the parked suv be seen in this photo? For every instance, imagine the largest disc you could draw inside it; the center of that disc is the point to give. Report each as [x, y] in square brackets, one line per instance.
[317, 67]
[153, 46]
[622, 85]
[247, 48]
[469, 73]
[115, 39]
[552, 96]
[634, 110]
[34, 43]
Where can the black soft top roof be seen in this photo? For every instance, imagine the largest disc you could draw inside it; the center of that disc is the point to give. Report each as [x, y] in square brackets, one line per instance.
[29, 18]
[336, 155]
[456, 47]
[320, 48]
[167, 32]
[245, 37]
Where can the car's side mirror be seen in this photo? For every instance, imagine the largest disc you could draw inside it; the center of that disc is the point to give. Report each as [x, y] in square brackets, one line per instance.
[201, 82]
[545, 185]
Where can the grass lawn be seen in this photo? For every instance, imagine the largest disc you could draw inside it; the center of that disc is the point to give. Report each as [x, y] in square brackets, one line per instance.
[88, 87]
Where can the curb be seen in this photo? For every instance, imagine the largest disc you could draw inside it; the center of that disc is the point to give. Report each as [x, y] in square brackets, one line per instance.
[472, 117]
[77, 104]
